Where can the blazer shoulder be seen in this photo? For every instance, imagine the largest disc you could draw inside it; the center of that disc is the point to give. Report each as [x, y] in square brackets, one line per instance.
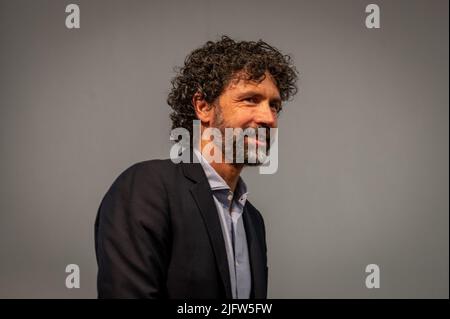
[153, 167]
[140, 175]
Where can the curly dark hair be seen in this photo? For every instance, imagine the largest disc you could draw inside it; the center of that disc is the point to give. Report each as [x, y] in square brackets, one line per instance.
[210, 68]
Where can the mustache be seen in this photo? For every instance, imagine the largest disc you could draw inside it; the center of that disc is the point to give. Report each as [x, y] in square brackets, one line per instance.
[257, 130]
[255, 134]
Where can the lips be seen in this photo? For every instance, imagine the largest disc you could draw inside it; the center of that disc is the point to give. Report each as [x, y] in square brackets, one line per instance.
[251, 140]
[256, 141]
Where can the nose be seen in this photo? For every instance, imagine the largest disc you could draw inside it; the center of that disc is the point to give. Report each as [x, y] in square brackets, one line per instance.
[266, 116]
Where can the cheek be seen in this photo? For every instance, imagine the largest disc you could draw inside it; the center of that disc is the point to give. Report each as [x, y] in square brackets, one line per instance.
[238, 118]
[247, 116]
[244, 122]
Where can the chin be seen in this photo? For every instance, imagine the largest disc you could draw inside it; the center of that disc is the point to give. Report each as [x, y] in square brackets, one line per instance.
[253, 164]
[255, 160]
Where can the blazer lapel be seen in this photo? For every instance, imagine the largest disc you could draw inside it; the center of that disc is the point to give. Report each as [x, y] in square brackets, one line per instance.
[202, 194]
[256, 256]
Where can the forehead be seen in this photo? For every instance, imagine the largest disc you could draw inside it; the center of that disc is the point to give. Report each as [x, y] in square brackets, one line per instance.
[267, 87]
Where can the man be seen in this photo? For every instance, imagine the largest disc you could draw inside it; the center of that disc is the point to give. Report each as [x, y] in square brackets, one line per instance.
[187, 230]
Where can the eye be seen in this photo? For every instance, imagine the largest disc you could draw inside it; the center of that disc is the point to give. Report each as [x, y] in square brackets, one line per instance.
[251, 99]
[276, 107]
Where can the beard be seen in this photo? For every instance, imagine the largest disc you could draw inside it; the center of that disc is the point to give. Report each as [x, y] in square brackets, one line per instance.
[244, 149]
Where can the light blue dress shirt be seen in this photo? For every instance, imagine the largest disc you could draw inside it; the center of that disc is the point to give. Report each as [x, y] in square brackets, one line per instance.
[230, 208]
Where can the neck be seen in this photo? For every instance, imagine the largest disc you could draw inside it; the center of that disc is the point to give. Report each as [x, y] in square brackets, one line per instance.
[230, 172]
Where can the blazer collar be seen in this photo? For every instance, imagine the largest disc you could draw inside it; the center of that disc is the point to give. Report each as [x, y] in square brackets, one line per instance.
[256, 255]
[203, 196]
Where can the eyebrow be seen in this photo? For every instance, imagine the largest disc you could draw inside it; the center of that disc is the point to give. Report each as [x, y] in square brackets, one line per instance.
[257, 94]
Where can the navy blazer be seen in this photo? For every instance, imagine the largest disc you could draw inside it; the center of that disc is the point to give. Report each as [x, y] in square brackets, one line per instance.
[158, 235]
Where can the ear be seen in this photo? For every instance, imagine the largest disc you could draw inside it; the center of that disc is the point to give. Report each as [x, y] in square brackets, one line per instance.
[203, 109]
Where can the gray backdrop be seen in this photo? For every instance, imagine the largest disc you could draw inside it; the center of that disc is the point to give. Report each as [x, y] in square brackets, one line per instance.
[364, 147]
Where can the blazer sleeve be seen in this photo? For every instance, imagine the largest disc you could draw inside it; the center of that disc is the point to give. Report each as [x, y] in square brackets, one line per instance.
[132, 235]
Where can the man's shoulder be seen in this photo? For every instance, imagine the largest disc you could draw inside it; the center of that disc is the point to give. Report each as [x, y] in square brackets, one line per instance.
[143, 173]
[153, 166]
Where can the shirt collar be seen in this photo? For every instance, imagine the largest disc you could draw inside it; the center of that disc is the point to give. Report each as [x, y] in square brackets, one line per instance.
[217, 183]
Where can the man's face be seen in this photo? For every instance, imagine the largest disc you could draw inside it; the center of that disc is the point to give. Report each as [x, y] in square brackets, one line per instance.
[248, 104]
